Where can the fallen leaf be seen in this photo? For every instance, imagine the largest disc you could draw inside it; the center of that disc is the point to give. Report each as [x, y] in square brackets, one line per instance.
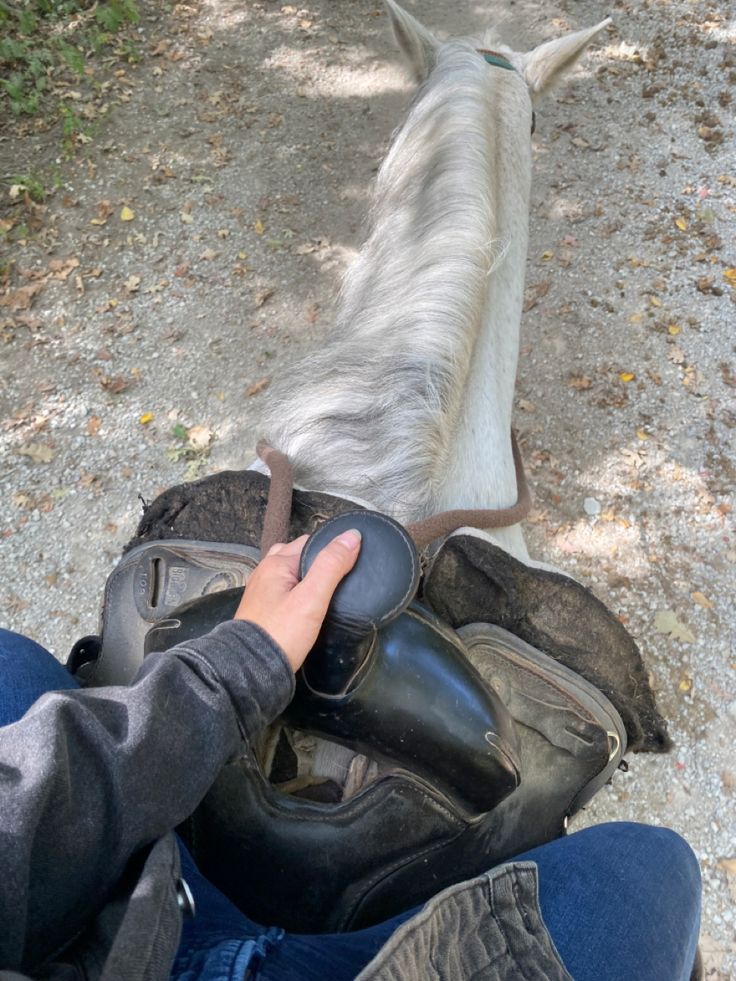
[209, 254]
[727, 374]
[263, 295]
[685, 684]
[38, 452]
[132, 284]
[526, 406]
[627, 376]
[90, 481]
[702, 600]
[666, 622]
[20, 299]
[200, 437]
[15, 604]
[312, 313]
[642, 434]
[104, 210]
[257, 387]
[676, 355]
[728, 865]
[681, 224]
[579, 382]
[533, 294]
[258, 227]
[674, 330]
[23, 501]
[114, 384]
[126, 213]
[61, 268]
[146, 418]
[93, 425]
[730, 276]
[655, 301]
[547, 255]
[186, 217]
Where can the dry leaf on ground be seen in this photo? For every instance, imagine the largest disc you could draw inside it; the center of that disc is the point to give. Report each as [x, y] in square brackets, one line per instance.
[38, 452]
[666, 622]
[20, 299]
[702, 600]
[200, 437]
[257, 387]
[533, 294]
[62, 268]
[115, 384]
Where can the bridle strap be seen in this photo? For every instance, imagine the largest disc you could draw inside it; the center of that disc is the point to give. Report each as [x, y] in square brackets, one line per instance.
[278, 508]
[445, 522]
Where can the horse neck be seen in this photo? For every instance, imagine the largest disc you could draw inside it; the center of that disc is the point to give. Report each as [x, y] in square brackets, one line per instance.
[423, 355]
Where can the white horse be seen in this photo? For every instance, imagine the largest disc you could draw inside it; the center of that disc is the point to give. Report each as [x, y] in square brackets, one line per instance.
[408, 404]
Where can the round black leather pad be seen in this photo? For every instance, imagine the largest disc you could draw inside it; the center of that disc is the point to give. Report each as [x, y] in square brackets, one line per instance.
[385, 577]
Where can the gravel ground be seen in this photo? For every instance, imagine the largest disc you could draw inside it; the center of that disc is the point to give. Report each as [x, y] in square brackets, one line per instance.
[195, 247]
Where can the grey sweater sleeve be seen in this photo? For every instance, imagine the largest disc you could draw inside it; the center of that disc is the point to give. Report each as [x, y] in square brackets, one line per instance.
[88, 778]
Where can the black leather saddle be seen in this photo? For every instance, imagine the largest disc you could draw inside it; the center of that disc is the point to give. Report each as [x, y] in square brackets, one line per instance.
[410, 757]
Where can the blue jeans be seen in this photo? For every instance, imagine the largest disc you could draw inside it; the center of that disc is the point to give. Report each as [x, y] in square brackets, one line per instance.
[621, 901]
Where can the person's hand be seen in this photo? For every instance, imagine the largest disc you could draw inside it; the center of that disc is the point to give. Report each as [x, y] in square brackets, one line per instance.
[291, 611]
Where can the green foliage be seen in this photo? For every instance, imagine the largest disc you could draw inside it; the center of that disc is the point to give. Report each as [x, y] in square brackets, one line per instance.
[41, 39]
[72, 57]
[72, 126]
[113, 14]
[32, 185]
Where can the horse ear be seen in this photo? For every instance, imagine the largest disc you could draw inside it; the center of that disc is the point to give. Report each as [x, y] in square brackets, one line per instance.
[544, 66]
[414, 40]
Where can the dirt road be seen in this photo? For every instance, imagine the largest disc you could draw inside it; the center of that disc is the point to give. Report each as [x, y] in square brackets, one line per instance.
[195, 247]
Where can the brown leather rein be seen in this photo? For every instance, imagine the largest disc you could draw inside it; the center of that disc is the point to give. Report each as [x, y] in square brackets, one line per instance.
[278, 508]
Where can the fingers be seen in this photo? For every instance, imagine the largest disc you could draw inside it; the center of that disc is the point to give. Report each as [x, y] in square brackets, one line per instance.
[328, 569]
[289, 548]
[291, 611]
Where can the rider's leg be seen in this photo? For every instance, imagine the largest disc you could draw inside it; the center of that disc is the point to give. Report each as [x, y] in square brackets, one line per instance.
[27, 671]
[220, 943]
[622, 902]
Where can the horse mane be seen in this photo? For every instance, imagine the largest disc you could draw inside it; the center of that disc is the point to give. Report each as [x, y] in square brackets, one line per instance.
[372, 413]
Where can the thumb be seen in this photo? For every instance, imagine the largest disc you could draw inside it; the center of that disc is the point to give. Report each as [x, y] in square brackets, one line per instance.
[328, 569]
